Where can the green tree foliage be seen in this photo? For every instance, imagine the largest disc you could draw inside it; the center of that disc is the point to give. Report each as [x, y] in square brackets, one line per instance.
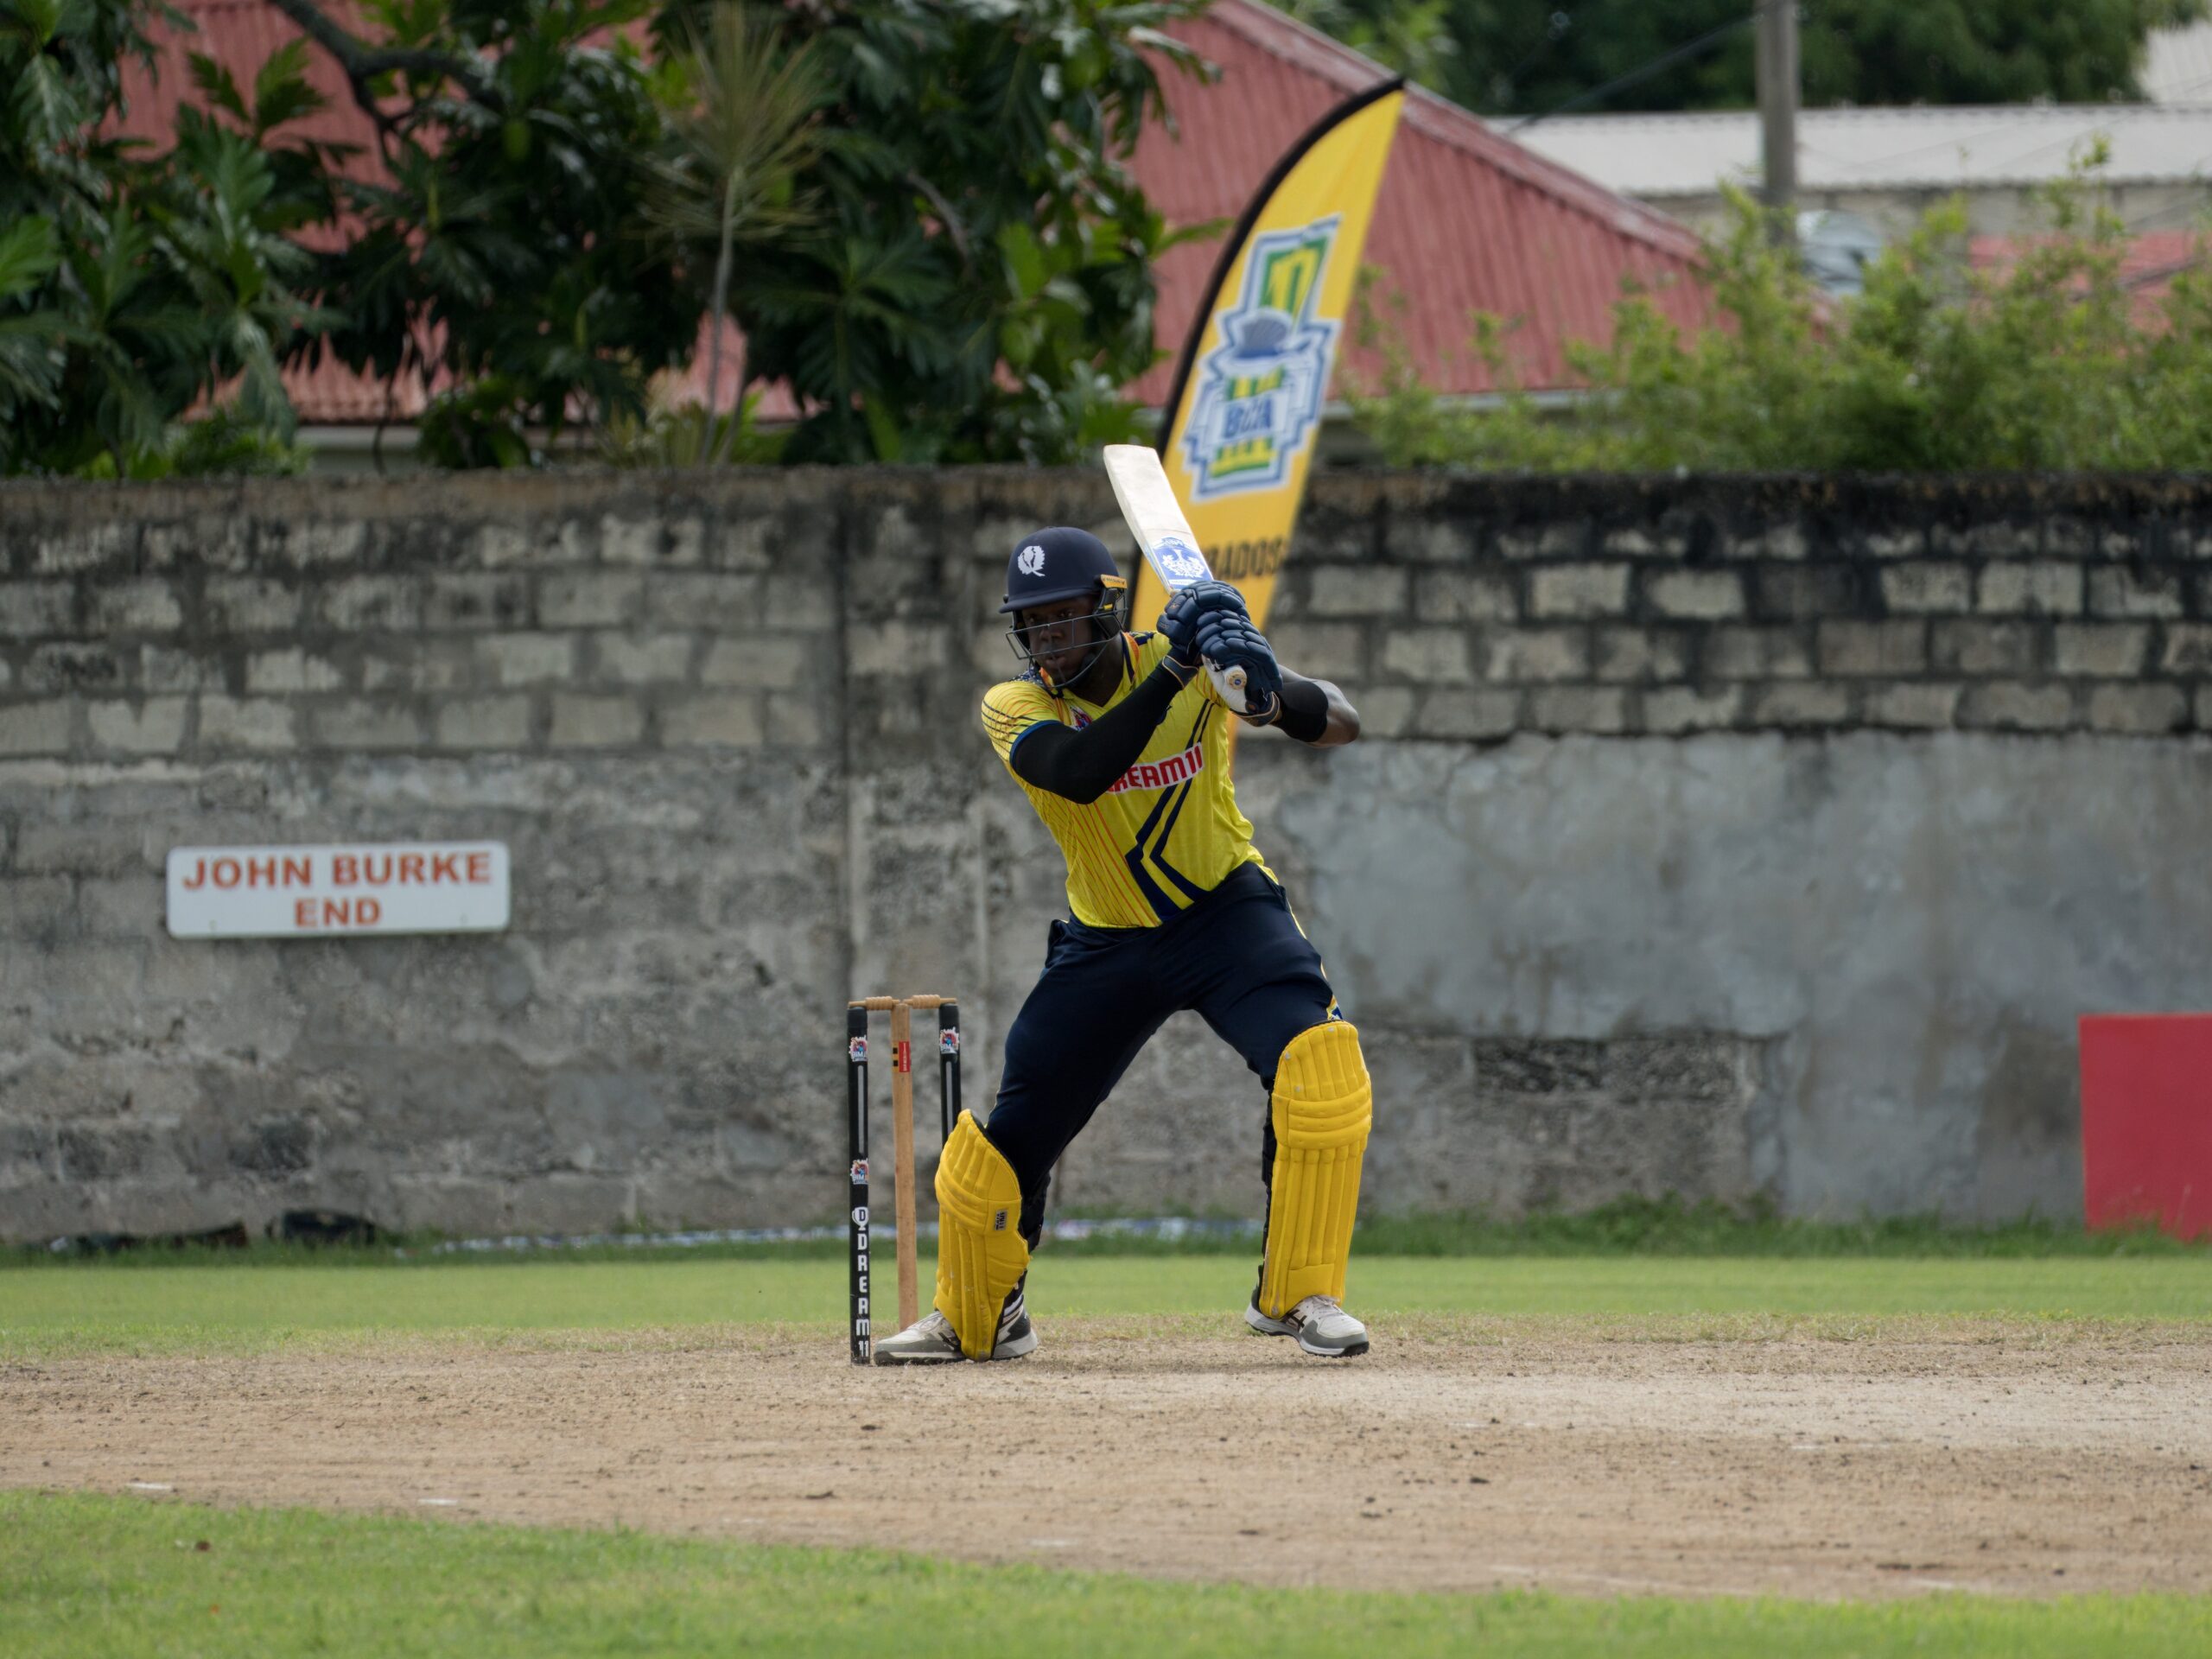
[2055, 362]
[919, 212]
[133, 287]
[743, 128]
[507, 244]
[1531, 56]
[979, 285]
[1414, 37]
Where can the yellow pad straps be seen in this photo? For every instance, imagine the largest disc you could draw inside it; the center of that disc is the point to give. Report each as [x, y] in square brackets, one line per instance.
[980, 1252]
[1323, 1107]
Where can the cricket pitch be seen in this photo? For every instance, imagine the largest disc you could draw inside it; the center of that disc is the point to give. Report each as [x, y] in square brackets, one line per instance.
[1991, 1455]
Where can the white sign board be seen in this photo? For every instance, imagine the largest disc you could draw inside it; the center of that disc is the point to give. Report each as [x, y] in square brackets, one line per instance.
[408, 886]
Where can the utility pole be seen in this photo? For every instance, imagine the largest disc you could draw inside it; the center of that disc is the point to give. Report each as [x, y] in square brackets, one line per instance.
[1776, 56]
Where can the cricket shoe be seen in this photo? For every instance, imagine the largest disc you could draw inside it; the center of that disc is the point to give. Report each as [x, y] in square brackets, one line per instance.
[931, 1339]
[1320, 1324]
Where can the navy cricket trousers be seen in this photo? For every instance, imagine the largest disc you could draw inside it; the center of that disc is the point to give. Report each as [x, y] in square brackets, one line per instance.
[1236, 957]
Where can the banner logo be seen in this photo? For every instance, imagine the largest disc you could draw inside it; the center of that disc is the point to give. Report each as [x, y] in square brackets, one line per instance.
[1258, 403]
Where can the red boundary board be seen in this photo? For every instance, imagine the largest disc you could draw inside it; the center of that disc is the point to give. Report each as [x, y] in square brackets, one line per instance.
[2146, 1121]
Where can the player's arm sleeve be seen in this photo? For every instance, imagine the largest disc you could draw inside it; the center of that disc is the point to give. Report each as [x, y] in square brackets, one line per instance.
[1314, 711]
[1081, 766]
[1305, 711]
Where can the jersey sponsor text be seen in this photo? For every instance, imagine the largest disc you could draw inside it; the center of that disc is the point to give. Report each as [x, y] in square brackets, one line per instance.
[1161, 775]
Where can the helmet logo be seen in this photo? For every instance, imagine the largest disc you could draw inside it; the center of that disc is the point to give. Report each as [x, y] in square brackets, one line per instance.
[1030, 561]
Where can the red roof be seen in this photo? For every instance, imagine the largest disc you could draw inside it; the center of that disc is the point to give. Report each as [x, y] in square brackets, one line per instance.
[1468, 221]
[2148, 269]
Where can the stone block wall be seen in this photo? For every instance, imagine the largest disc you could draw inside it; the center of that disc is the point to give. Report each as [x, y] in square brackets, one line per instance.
[1474, 611]
[1716, 836]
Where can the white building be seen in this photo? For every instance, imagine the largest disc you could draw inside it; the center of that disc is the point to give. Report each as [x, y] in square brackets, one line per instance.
[1887, 165]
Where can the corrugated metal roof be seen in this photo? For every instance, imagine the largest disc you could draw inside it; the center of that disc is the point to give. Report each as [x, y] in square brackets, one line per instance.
[2177, 65]
[1468, 219]
[1659, 157]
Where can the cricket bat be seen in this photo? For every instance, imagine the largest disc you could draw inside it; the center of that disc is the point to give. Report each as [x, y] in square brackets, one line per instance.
[1164, 536]
[1155, 516]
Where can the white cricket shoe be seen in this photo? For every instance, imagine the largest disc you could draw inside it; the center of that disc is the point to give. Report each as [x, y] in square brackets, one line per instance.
[1320, 1324]
[931, 1339]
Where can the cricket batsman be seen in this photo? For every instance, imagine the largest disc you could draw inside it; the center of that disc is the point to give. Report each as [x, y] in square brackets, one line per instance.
[1119, 740]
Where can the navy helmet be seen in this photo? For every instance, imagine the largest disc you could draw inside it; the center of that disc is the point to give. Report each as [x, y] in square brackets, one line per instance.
[1060, 563]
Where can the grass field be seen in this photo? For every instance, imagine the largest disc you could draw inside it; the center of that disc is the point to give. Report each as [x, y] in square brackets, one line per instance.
[86, 1574]
[90, 1578]
[216, 1304]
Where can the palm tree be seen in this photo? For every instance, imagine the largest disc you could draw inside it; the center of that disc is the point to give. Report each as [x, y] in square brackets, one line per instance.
[744, 132]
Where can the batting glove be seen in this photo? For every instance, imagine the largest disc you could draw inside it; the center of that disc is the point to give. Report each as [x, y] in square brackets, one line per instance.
[1189, 607]
[1241, 666]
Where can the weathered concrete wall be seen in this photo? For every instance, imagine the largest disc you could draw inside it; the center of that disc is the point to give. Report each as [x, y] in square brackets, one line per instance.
[1722, 836]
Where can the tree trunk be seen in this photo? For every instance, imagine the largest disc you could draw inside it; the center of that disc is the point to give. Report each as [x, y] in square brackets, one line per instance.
[711, 449]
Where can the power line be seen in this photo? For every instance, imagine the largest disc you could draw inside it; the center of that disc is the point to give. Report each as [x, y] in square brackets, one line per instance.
[1644, 71]
[1555, 30]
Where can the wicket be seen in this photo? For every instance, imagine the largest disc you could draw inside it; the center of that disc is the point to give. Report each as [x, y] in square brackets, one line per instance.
[902, 1009]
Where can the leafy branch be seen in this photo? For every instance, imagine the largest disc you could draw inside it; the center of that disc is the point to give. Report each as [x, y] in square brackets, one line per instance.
[364, 65]
[2051, 358]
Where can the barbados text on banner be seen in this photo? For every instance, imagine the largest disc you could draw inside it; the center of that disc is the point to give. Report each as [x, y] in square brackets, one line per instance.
[1247, 404]
[426, 887]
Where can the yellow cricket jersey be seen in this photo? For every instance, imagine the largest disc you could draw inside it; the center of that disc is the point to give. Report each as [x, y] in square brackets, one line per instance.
[1168, 831]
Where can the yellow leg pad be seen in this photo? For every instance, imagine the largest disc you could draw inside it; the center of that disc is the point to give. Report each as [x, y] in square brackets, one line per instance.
[1323, 1107]
[980, 1252]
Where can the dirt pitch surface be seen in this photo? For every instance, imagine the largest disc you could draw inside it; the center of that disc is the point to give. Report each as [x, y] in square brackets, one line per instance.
[2000, 1457]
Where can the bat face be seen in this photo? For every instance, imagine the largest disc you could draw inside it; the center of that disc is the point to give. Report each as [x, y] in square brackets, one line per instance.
[1154, 516]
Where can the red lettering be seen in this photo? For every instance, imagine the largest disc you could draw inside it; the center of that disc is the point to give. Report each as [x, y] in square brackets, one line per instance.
[198, 879]
[1161, 775]
[261, 871]
[374, 876]
[345, 869]
[479, 868]
[296, 873]
[445, 867]
[410, 867]
[227, 872]
[364, 912]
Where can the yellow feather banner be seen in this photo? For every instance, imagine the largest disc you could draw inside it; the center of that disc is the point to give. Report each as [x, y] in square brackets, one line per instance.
[1246, 405]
